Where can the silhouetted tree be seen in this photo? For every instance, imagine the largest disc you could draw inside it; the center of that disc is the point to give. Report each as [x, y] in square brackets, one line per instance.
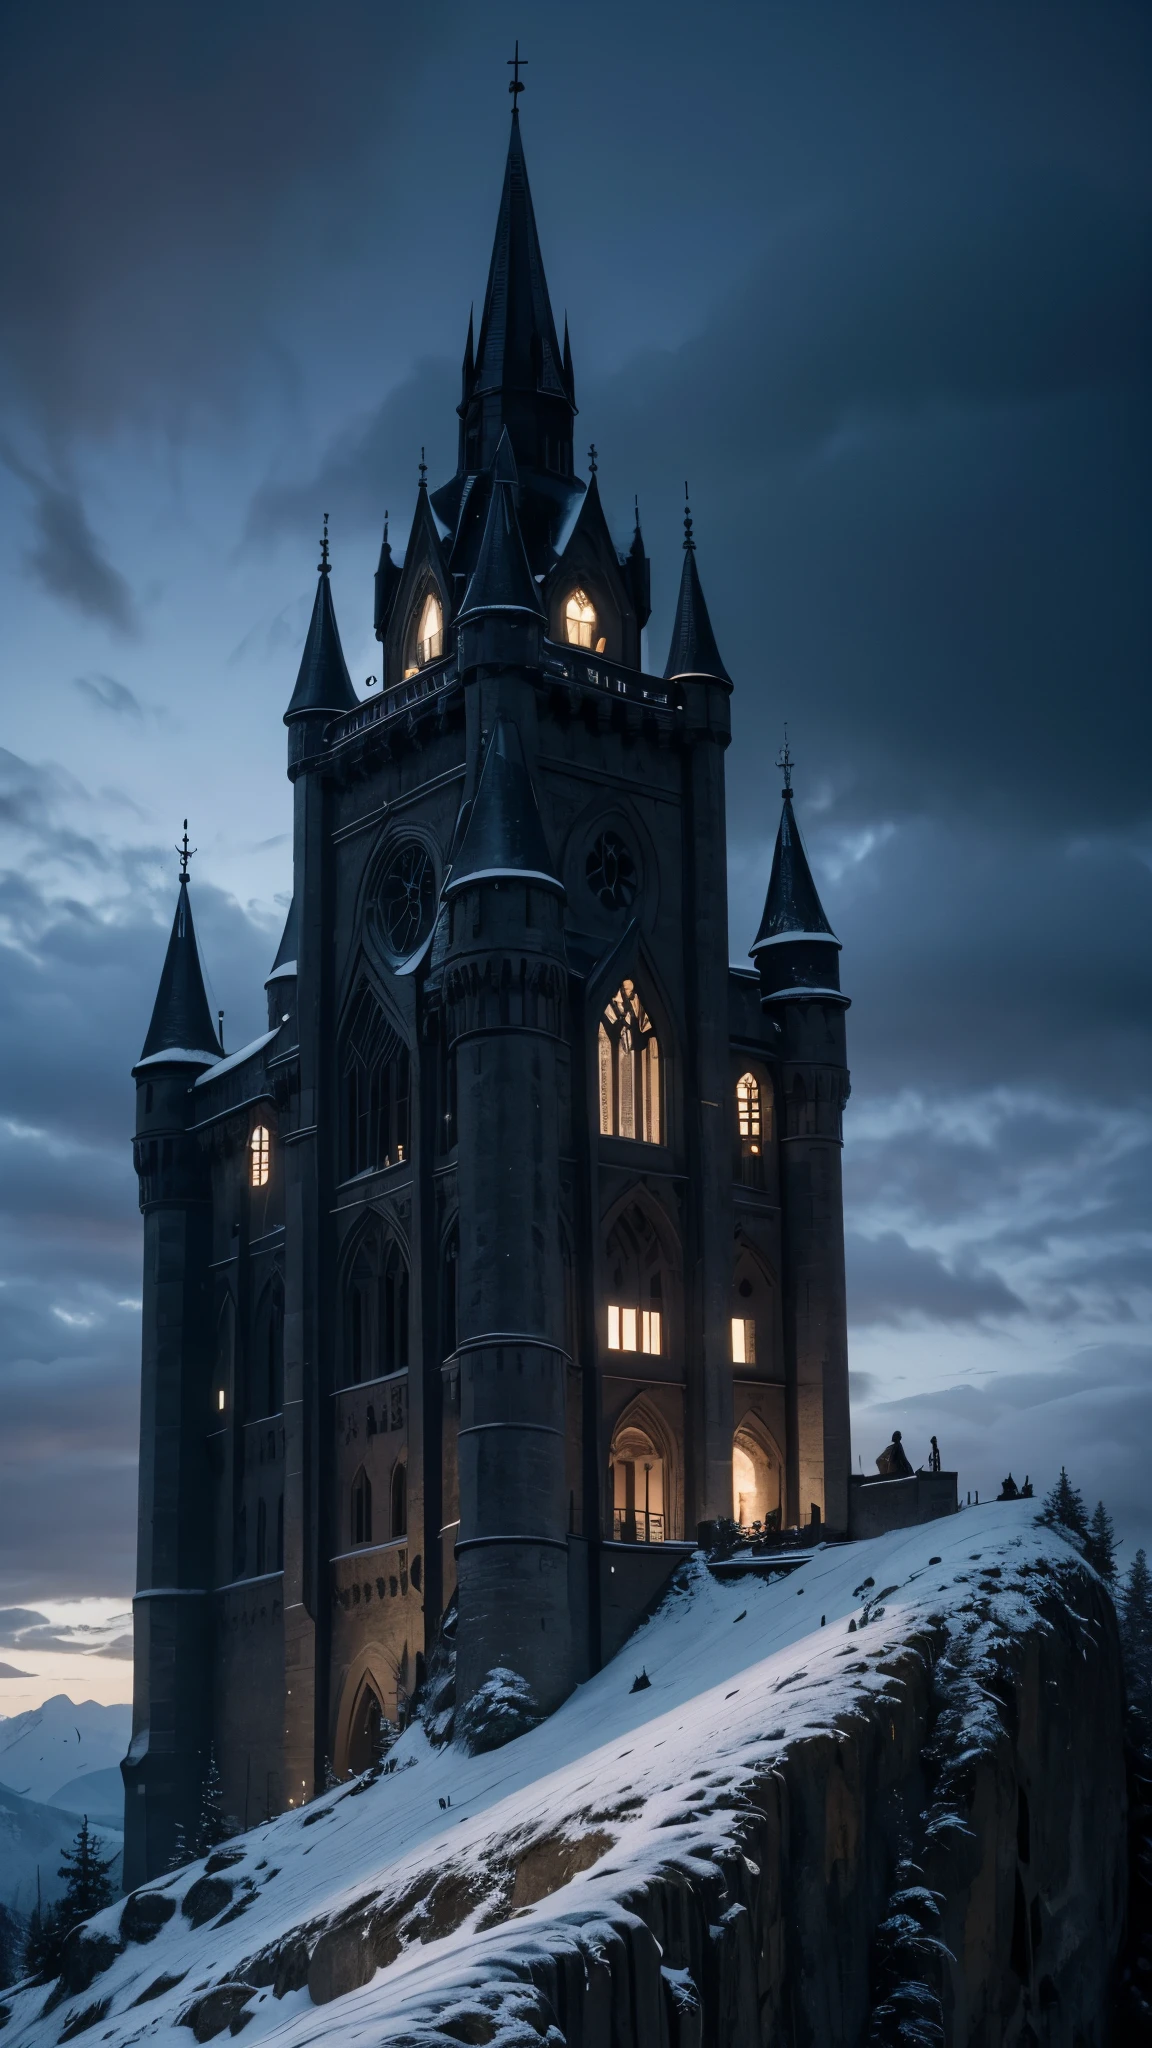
[214, 1826]
[1065, 1505]
[87, 1885]
[11, 1945]
[43, 1944]
[1100, 1548]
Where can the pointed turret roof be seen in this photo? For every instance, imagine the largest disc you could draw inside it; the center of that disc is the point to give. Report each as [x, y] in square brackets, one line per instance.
[181, 1032]
[792, 908]
[693, 651]
[502, 580]
[287, 952]
[518, 349]
[386, 584]
[504, 836]
[323, 683]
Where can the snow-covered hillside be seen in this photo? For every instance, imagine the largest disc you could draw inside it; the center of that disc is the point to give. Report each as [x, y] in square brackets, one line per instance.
[418, 1901]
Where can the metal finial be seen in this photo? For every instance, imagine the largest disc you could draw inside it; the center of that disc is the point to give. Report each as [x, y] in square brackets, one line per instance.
[220, 1028]
[324, 564]
[516, 83]
[688, 540]
[423, 468]
[784, 761]
[385, 529]
[593, 465]
[636, 502]
[185, 851]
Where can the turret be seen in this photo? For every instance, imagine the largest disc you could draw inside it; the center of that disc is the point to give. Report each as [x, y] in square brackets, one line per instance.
[505, 990]
[280, 986]
[170, 1728]
[797, 955]
[323, 685]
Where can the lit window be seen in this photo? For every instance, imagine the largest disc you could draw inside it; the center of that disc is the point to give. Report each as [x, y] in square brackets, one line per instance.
[220, 1401]
[627, 1325]
[580, 620]
[258, 1146]
[630, 1105]
[743, 1340]
[430, 632]
[748, 1111]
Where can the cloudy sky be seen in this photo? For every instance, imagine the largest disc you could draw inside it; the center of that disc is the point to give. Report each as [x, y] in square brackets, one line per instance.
[876, 279]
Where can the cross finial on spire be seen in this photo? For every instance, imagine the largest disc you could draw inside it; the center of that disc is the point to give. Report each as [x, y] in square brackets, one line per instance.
[784, 761]
[423, 467]
[516, 83]
[185, 851]
[636, 502]
[592, 462]
[324, 565]
[688, 540]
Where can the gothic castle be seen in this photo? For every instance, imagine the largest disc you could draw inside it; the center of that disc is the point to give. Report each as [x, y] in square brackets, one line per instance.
[512, 1251]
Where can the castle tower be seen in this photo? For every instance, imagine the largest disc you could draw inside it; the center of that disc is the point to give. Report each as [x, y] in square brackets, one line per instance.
[797, 955]
[170, 1727]
[505, 986]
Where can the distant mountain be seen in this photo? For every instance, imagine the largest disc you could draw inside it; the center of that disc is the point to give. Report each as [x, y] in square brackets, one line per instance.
[52, 1744]
[99, 1794]
[33, 1838]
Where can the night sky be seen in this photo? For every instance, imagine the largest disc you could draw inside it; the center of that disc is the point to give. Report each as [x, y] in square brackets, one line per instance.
[876, 280]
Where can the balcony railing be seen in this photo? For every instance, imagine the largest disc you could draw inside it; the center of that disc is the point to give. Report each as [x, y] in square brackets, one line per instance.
[636, 1525]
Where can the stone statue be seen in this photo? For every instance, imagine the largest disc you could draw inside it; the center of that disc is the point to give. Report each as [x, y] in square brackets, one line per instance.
[893, 1460]
[934, 1457]
[1008, 1489]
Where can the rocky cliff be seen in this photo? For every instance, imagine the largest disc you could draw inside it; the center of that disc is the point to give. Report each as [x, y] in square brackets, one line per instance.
[878, 1799]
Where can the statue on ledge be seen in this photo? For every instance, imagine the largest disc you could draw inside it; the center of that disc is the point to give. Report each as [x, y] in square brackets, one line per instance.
[893, 1460]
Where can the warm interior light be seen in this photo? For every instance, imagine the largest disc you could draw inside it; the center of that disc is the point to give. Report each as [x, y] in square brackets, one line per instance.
[430, 632]
[743, 1340]
[259, 1147]
[220, 1401]
[580, 620]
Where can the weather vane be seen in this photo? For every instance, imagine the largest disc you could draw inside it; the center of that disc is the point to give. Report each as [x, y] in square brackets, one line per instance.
[423, 468]
[592, 464]
[688, 540]
[516, 83]
[323, 565]
[784, 761]
[185, 851]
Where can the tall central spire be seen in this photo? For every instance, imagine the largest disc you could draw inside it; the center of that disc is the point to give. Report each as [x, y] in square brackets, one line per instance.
[518, 348]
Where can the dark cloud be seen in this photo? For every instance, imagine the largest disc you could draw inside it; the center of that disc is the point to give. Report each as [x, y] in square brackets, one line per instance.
[66, 555]
[13, 1671]
[106, 694]
[15, 1620]
[891, 1281]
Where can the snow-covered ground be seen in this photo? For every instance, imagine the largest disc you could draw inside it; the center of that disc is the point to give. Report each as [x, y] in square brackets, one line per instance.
[738, 1670]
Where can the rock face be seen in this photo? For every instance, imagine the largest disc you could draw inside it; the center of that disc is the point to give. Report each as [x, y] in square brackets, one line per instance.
[811, 1829]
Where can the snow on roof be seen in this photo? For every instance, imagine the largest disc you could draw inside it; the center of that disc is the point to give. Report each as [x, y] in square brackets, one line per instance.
[788, 995]
[798, 939]
[281, 973]
[635, 1779]
[237, 1059]
[178, 1056]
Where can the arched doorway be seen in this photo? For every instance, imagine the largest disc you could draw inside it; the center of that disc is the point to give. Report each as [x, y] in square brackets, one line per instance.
[756, 1479]
[638, 1485]
[366, 1733]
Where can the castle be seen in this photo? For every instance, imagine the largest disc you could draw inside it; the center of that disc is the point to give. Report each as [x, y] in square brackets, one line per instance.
[512, 1251]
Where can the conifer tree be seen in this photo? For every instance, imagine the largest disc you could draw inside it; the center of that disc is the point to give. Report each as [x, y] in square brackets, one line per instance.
[214, 1825]
[1100, 1548]
[87, 1885]
[1064, 1505]
[10, 1947]
[44, 1944]
[1136, 1636]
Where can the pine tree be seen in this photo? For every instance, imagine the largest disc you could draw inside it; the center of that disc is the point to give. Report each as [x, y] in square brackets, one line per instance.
[1136, 1636]
[1100, 1548]
[44, 1944]
[87, 1885]
[214, 1825]
[1064, 1505]
[10, 1947]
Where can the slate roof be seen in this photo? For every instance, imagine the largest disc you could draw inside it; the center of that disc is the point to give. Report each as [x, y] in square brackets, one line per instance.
[693, 651]
[181, 1018]
[518, 349]
[792, 908]
[502, 580]
[323, 683]
[504, 836]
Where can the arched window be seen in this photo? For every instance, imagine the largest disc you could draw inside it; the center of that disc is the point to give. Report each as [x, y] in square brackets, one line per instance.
[430, 631]
[266, 1384]
[361, 1508]
[375, 1076]
[753, 1128]
[259, 1153]
[376, 1312]
[261, 1538]
[755, 1479]
[637, 1480]
[580, 620]
[366, 1735]
[400, 1500]
[634, 1269]
[630, 1102]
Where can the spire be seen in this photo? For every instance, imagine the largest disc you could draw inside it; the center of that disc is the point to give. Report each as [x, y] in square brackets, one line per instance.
[385, 585]
[504, 836]
[468, 367]
[569, 375]
[639, 572]
[502, 580]
[693, 651]
[323, 683]
[284, 965]
[182, 1024]
[792, 909]
[518, 349]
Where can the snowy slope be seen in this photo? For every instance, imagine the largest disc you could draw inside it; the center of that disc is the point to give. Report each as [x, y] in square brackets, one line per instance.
[46, 1747]
[615, 1780]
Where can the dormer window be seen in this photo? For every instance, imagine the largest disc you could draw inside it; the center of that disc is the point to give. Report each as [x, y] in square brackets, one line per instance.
[580, 621]
[430, 632]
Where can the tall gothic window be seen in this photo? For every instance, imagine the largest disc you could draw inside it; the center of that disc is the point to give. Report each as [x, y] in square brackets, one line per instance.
[266, 1381]
[376, 1312]
[630, 1104]
[580, 620]
[376, 1081]
[752, 1125]
[361, 1508]
[259, 1152]
[430, 632]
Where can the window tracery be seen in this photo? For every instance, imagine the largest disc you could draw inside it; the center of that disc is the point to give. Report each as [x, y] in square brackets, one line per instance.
[580, 620]
[430, 631]
[376, 1082]
[630, 1080]
[259, 1150]
[376, 1312]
